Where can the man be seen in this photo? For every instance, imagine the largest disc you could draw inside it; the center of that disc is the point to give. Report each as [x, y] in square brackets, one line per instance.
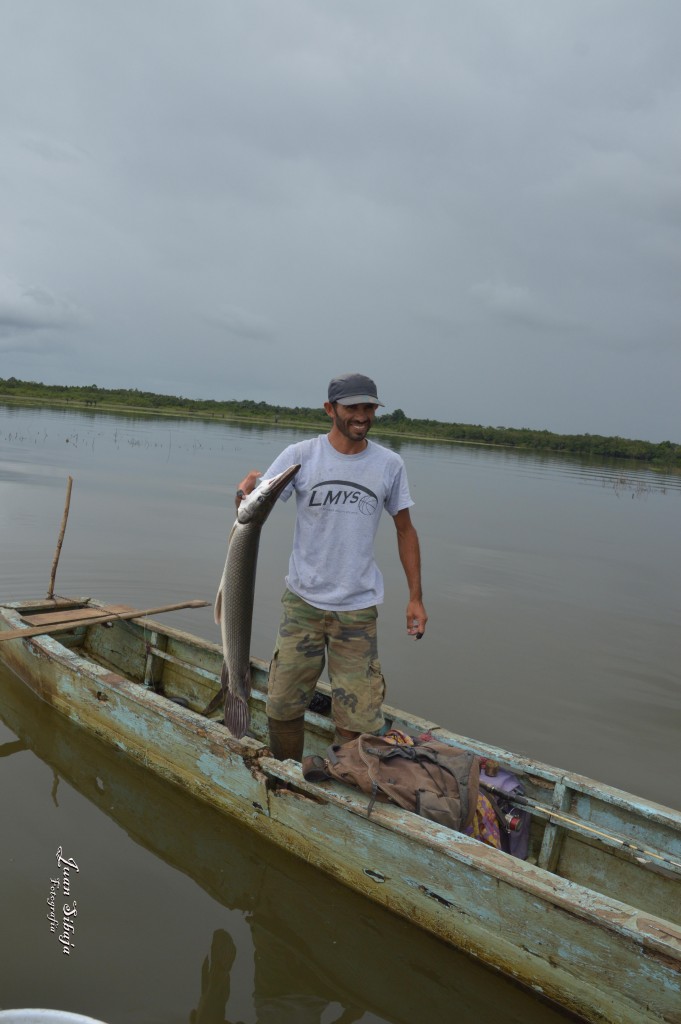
[333, 584]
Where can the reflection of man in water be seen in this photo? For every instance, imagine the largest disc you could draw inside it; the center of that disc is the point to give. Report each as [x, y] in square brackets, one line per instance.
[215, 980]
[274, 1001]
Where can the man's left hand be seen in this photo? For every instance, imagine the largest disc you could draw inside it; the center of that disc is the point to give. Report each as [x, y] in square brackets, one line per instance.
[416, 619]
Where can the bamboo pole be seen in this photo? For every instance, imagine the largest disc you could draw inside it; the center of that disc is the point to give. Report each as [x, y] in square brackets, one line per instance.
[64, 518]
[60, 627]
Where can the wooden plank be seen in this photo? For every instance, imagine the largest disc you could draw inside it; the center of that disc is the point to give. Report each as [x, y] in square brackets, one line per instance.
[15, 634]
[554, 833]
[188, 666]
[73, 614]
[149, 664]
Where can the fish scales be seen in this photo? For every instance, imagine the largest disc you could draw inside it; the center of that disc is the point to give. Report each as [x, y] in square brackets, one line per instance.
[235, 599]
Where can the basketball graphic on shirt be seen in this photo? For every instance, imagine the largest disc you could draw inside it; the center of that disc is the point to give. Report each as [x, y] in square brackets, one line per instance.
[367, 504]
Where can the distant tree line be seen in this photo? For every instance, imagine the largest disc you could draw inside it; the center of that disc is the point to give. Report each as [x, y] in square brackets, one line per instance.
[666, 455]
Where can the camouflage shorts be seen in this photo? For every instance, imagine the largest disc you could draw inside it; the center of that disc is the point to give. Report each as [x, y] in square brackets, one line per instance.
[308, 635]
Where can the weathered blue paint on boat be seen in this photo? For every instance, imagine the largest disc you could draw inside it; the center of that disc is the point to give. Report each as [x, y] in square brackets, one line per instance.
[594, 924]
[329, 944]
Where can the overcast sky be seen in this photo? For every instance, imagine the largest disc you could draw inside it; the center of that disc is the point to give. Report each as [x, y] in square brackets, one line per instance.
[477, 203]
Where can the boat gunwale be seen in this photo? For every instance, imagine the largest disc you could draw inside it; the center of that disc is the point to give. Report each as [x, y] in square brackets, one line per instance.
[657, 934]
[537, 770]
[659, 813]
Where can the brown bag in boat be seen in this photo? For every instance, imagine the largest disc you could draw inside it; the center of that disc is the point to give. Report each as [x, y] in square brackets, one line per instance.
[428, 777]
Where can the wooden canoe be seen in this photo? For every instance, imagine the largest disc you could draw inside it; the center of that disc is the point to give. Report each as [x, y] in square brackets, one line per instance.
[338, 947]
[592, 920]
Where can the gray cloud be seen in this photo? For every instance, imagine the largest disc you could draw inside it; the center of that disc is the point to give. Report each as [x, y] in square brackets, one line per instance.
[516, 303]
[479, 203]
[25, 309]
[240, 324]
[52, 149]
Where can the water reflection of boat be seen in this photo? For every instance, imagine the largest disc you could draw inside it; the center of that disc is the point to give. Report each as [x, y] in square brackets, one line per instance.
[315, 943]
[593, 923]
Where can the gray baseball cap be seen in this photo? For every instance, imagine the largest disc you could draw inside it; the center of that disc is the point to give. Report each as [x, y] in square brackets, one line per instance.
[353, 389]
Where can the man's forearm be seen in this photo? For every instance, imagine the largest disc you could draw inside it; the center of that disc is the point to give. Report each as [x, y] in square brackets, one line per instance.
[410, 557]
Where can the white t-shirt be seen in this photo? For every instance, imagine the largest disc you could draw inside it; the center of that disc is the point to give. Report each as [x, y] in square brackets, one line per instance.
[339, 502]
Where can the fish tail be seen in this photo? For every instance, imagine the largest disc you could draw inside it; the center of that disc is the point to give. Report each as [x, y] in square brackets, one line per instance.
[237, 715]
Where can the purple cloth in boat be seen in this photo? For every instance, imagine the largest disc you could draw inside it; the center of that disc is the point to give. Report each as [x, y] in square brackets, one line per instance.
[510, 785]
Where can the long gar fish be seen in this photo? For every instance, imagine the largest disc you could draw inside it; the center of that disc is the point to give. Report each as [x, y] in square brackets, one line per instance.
[234, 602]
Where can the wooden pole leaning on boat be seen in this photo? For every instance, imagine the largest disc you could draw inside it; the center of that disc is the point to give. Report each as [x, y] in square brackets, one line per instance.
[62, 530]
[61, 627]
[575, 824]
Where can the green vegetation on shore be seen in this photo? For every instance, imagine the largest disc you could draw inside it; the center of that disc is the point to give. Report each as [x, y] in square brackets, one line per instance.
[665, 455]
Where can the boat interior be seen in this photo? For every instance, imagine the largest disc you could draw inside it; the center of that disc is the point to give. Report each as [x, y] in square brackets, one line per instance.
[598, 837]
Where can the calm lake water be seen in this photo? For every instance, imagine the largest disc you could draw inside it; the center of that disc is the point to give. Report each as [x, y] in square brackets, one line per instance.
[554, 593]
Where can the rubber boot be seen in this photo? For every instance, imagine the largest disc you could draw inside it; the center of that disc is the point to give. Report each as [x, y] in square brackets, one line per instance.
[287, 738]
[343, 736]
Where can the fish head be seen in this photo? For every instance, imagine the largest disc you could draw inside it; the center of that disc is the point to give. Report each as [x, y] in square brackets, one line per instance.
[257, 505]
